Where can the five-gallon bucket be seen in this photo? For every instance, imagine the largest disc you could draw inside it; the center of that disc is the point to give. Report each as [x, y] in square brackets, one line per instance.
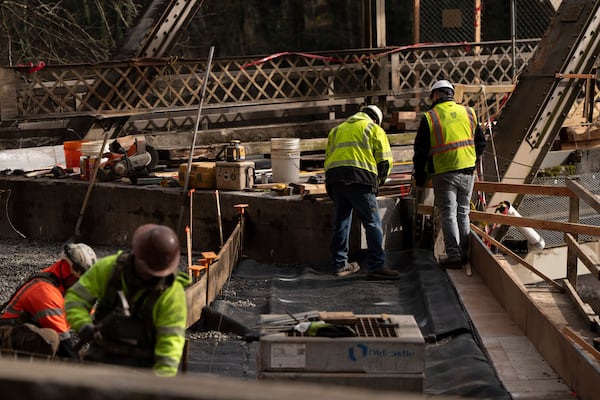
[89, 157]
[72, 153]
[285, 159]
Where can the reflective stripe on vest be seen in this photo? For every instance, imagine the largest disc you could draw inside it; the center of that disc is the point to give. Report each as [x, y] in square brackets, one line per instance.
[22, 290]
[452, 129]
[352, 147]
[440, 145]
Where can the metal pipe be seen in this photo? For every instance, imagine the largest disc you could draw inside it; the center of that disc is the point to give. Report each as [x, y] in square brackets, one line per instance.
[193, 145]
[513, 37]
[219, 218]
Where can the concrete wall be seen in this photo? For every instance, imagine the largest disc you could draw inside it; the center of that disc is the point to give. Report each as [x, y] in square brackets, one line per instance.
[22, 380]
[283, 229]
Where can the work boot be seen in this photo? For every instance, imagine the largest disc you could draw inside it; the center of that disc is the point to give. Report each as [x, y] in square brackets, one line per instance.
[348, 269]
[451, 263]
[383, 274]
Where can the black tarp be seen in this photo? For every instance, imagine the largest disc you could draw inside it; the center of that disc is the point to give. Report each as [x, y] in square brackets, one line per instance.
[455, 363]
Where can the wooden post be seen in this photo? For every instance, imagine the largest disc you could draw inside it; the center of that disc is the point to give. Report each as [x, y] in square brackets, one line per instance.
[571, 254]
[367, 18]
[477, 28]
[477, 22]
[417, 22]
[417, 39]
[380, 23]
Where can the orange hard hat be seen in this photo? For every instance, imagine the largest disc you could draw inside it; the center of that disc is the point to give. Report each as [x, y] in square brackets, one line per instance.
[156, 249]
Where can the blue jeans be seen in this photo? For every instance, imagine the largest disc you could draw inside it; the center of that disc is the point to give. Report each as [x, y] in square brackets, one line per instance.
[453, 192]
[361, 200]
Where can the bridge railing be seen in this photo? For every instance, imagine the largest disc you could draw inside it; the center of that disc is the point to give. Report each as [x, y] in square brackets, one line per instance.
[148, 90]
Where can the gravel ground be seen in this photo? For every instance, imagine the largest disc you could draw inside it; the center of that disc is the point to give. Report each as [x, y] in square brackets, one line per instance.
[20, 258]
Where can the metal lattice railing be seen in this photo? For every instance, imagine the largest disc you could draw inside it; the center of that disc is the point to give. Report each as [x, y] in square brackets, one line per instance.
[466, 64]
[150, 84]
[147, 85]
[142, 89]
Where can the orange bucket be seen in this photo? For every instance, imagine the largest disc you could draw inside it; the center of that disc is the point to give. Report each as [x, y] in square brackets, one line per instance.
[72, 153]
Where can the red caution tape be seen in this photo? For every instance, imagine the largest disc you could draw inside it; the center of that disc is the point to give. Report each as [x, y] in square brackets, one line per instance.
[288, 53]
[29, 67]
[337, 60]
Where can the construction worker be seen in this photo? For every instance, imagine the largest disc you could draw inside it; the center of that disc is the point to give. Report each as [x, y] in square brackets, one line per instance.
[447, 148]
[358, 160]
[141, 312]
[34, 319]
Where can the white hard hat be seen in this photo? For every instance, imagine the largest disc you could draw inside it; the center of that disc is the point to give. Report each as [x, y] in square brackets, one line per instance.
[79, 255]
[442, 84]
[375, 110]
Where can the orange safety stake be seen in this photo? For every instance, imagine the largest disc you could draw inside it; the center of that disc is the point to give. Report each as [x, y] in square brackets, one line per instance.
[209, 258]
[241, 208]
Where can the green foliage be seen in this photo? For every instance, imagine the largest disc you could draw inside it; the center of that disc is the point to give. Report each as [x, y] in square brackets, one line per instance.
[558, 170]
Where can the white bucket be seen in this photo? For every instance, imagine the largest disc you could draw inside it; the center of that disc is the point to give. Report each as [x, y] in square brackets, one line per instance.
[89, 157]
[91, 148]
[285, 159]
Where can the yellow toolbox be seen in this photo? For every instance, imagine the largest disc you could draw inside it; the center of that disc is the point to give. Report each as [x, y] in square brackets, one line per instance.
[202, 175]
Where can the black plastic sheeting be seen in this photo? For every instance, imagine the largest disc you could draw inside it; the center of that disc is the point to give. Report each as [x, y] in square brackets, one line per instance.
[455, 363]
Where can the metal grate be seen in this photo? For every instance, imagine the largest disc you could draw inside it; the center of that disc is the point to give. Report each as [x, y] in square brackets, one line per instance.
[365, 327]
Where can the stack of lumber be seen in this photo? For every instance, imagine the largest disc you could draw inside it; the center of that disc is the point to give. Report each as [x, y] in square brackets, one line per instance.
[576, 136]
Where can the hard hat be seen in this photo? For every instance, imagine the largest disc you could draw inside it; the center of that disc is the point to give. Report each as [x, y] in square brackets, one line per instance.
[442, 84]
[156, 249]
[79, 255]
[374, 111]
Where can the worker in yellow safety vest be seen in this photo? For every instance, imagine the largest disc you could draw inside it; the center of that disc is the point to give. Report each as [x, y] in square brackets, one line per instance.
[447, 148]
[139, 304]
[358, 160]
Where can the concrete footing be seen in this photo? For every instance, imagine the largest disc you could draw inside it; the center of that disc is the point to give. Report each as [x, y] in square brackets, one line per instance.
[284, 229]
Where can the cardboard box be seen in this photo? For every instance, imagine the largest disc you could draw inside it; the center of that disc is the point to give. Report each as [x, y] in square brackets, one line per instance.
[402, 352]
[202, 175]
[387, 355]
[235, 175]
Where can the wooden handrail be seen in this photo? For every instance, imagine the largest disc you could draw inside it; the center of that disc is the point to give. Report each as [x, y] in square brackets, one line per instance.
[516, 257]
[479, 216]
[493, 187]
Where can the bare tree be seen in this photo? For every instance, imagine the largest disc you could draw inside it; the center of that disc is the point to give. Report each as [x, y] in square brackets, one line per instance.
[66, 31]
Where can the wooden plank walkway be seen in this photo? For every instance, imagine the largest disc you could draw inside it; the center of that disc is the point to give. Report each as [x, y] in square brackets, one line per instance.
[520, 367]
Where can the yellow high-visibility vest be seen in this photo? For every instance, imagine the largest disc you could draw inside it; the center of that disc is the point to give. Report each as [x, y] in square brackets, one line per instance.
[359, 143]
[452, 128]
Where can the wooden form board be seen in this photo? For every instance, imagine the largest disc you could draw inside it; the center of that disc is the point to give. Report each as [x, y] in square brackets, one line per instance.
[202, 292]
[539, 318]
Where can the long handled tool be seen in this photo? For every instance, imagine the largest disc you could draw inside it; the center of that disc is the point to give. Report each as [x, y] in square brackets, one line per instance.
[193, 145]
[77, 233]
[219, 219]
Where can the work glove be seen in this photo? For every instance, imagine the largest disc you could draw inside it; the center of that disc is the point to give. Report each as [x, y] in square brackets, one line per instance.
[324, 329]
[88, 333]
